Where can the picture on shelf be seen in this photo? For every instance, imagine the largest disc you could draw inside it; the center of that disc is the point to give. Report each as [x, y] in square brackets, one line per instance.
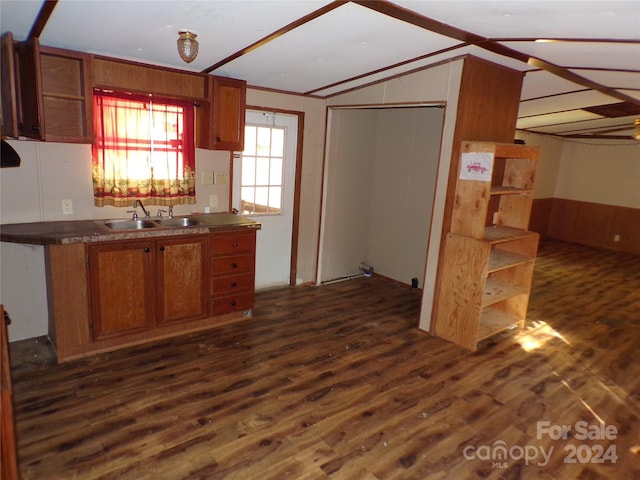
[476, 166]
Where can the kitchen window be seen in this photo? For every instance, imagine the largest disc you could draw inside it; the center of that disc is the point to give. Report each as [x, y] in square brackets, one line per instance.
[262, 170]
[143, 149]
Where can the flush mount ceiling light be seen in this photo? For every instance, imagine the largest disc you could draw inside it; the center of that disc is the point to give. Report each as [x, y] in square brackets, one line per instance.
[187, 46]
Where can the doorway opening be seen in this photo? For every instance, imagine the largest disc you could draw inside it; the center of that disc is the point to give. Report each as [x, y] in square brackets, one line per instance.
[381, 167]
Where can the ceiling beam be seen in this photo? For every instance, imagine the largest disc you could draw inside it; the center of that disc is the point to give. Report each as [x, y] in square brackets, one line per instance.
[41, 20]
[277, 34]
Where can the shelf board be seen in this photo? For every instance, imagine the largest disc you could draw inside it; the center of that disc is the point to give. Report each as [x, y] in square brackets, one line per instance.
[500, 259]
[502, 233]
[494, 321]
[496, 291]
[502, 190]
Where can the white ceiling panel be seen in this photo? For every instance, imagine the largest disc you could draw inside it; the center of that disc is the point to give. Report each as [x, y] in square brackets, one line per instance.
[569, 101]
[535, 18]
[586, 126]
[149, 30]
[616, 56]
[555, 119]
[361, 40]
[540, 83]
[324, 47]
[615, 78]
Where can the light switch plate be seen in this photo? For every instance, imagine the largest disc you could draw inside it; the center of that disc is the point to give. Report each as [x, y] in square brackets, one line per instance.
[221, 178]
[67, 207]
[207, 178]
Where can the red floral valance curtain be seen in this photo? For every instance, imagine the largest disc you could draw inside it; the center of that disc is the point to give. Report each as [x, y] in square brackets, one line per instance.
[143, 149]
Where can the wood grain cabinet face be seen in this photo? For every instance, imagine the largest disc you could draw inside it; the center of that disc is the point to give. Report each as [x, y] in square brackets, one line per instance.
[136, 285]
[232, 272]
[54, 93]
[122, 282]
[181, 277]
[221, 120]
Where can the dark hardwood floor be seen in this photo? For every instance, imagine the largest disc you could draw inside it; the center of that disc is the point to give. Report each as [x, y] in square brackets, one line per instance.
[336, 382]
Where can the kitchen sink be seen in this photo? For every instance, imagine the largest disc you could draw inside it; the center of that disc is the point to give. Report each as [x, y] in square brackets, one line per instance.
[178, 222]
[131, 224]
[140, 224]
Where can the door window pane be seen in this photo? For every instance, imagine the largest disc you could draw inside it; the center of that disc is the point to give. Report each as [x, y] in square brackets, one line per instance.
[262, 170]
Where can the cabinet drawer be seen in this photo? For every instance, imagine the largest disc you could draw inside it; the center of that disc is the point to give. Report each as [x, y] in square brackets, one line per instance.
[230, 243]
[232, 303]
[232, 264]
[232, 284]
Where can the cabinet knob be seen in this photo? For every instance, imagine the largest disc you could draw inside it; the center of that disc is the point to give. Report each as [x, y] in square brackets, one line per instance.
[235, 244]
[233, 303]
[218, 139]
[162, 248]
[147, 249]
[234, 284]
[35, 128]
[234, 265]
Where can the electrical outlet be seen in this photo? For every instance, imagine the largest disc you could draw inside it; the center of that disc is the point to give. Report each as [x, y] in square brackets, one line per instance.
[213, 200]
[67, 207]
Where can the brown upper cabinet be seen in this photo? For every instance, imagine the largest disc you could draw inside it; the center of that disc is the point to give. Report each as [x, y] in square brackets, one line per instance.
[54, 93]
[47, 94]
[9, 112]
[220, 121]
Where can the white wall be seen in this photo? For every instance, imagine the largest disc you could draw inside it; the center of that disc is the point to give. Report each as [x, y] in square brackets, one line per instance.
[437, 85]
[380, 182]
[404, 178]
[600, 172]
[597, 171]
[348, 192]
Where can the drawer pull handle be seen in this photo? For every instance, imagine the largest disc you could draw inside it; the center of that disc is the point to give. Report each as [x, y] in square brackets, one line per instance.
[234, 265]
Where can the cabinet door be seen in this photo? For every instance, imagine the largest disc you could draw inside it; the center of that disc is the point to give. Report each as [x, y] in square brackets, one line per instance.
[181, 274]
[54, 93]
[122, 284]
[228, 111]
[30, 110]
[9, 118]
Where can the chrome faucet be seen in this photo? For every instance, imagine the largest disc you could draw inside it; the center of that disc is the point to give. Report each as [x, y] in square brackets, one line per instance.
[170, 211]
[139, 202]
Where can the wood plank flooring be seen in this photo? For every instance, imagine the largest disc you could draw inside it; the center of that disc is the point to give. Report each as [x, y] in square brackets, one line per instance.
[336, 382]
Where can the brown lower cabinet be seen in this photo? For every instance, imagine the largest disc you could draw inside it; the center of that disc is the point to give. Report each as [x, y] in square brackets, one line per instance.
[8, 462]
[111, 294]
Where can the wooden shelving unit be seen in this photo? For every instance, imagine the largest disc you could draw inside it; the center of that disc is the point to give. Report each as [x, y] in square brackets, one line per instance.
[489, 254]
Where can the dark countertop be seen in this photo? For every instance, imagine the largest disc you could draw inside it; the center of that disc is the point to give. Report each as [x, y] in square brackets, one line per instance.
[83, 231]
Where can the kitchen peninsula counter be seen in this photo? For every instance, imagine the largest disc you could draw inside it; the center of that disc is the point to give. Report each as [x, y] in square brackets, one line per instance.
[87, 231]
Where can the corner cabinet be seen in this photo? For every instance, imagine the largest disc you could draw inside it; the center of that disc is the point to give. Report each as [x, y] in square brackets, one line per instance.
[489, 255]
[54, 93]
[221, 119]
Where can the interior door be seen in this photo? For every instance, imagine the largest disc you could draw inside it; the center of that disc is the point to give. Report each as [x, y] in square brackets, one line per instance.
[263, 187]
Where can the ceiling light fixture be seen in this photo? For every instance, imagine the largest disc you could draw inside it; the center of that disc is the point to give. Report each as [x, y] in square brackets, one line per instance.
[636, 133]
[187, 46]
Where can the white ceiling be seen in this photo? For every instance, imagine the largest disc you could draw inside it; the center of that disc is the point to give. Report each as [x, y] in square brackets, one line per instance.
[591, 56]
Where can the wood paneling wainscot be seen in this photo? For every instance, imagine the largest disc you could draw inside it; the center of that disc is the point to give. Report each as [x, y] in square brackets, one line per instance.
[595, 225]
